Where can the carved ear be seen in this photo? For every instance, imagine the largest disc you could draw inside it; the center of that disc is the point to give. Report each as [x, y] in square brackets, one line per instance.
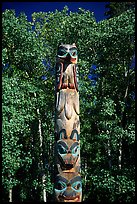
[74, 135]
[74, 44]
[77, 168]
[59, 168]
[62, 134]
[60, 43]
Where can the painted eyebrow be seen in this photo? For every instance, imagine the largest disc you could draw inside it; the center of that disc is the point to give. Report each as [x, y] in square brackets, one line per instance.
[77, 178]
[61, 47]
[73, 48]
[60, 178]
[74, 145]
[63, 143]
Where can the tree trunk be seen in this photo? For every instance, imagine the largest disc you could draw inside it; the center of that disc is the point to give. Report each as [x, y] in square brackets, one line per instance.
[120, 154]
[41, 156]
[123, 119]
[44, 189]
[40, 132]
[86, 167]
[10, 195]
[123, 116]
[109, 155]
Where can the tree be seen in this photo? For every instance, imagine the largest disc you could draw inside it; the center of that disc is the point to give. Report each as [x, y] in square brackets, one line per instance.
[20, 46]
[109, 121]
[22, 72]
[117, 8]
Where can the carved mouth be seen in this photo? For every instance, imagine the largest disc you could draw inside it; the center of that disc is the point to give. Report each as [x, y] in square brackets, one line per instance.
[68, 59]
[73, 59]
[70, 199]
[69, 166]
[66, 163]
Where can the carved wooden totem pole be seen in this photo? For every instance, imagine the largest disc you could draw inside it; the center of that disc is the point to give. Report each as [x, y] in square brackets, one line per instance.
[68, 185]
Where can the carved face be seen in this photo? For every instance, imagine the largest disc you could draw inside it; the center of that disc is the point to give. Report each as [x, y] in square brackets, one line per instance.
[68, 187]
[68, 152]
[68, 149]
[68, 52]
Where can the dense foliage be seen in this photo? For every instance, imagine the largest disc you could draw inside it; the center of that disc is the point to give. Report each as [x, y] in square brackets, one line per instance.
[107, 103]
[117, 8]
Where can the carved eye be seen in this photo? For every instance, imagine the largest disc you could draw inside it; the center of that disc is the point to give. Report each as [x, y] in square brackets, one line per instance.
[75, 150]
[77, 186]
[61, 53]
[74, 53]
[61, 149]
[60, 185]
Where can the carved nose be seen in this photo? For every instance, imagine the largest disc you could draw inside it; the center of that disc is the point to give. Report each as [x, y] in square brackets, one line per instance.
[69, 193]
[68, 56]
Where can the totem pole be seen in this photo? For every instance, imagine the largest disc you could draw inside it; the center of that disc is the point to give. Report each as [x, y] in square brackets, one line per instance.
[68, 185]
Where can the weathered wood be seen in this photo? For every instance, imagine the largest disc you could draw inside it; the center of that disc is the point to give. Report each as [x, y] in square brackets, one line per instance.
[68, 186]
[67, 114]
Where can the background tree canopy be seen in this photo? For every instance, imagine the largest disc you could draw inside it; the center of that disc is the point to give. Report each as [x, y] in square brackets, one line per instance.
[106, 53]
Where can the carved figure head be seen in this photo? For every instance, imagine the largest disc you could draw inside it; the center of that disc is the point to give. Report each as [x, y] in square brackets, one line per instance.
[68, 149]
[67, 53]
[68, 152]
[68, 187]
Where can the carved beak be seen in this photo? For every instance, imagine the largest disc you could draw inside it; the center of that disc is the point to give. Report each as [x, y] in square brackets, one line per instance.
[68, 57]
